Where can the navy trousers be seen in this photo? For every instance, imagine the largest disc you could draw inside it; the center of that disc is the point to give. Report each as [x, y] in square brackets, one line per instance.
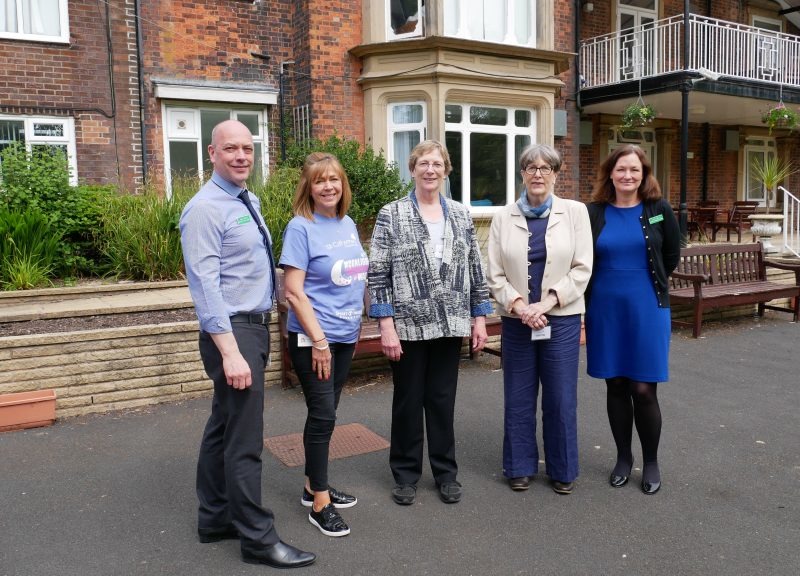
[553, 364]
[425, 380]
[229, 465]
[322, 400]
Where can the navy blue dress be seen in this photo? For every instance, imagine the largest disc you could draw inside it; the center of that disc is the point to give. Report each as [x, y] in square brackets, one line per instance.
[627, 333]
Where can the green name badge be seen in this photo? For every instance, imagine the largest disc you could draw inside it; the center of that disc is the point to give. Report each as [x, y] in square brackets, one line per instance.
[243, 220]
[656, 218]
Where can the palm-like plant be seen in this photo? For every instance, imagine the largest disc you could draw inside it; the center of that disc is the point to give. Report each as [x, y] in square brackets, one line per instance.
[771, 171]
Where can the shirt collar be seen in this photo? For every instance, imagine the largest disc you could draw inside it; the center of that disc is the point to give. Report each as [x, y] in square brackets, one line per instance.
[227, 186]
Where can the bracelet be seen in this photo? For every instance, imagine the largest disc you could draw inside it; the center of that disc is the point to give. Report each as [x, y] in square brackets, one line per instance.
[318, 340]
[321, 349]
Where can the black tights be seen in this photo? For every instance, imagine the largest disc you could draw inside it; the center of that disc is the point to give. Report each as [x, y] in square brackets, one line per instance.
[627, 402]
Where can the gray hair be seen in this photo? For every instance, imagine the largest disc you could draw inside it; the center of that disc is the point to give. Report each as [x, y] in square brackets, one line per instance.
[543, 151]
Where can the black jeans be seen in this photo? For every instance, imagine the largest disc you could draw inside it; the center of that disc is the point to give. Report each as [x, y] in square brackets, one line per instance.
[229, 465]
[322, 400]
[425, 381]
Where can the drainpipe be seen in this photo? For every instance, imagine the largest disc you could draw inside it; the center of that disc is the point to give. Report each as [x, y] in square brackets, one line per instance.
[577, 80]
[280, 108]
[140, 74]
[706, 137]
[686, 86]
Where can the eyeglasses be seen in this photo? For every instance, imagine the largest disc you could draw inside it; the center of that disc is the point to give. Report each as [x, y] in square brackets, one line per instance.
[543, 170]
[438, 166]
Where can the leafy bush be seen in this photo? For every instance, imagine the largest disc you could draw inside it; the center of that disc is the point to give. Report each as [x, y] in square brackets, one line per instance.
[40, 181]
[141, 239]
[28, 249]
[373, 181]
[276, 196]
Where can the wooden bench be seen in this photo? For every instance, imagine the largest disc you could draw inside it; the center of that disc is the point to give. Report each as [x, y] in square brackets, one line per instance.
[717, 275]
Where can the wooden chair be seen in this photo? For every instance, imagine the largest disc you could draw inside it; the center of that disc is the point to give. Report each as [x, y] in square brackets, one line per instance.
[708, 203]
[738, 218]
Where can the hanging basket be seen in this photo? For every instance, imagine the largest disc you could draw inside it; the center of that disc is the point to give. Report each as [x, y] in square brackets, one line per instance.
[780, 116]
[638, 114]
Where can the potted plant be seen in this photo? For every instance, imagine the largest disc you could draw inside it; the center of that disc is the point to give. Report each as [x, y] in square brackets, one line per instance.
[780, 116]
[771, 171]
[638, 114]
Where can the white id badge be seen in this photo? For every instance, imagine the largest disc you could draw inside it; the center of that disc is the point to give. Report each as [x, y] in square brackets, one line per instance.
[543, 334]
[438, 251]
[304, 341]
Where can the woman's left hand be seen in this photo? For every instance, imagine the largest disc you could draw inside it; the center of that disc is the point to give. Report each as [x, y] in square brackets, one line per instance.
[533, 315]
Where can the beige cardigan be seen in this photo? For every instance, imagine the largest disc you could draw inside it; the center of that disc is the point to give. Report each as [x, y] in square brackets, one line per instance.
[569, 256]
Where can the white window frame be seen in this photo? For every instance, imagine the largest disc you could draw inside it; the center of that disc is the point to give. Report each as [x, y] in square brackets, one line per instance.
[416, 33]
[63, 25]
[765, 146]
[510, 130]
[67, 139]
[172, 111]
[393, 128]
[460, 14]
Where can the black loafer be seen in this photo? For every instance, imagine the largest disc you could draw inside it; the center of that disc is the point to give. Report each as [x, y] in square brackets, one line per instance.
[209, 535]
[617, 481]
[650, 488]
[563, 488]
[280, 555]
[520, 483]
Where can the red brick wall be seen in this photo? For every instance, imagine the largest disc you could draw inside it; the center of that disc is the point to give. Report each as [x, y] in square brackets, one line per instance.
[50, 79]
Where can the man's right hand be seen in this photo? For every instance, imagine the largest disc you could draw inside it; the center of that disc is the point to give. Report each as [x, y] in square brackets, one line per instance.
[236, 368]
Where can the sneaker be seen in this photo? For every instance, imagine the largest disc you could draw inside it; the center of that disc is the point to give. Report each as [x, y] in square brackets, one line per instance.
[404, 494]
[450, 492]
[563, 487]
[338, 499]
[329, 521]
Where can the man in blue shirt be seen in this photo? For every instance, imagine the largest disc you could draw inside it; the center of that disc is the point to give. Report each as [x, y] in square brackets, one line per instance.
[227, 253]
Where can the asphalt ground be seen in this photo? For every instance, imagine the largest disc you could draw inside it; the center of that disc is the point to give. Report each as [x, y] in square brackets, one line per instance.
[113, 494]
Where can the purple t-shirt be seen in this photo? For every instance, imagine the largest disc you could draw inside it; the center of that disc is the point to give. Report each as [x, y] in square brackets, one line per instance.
[330, 253]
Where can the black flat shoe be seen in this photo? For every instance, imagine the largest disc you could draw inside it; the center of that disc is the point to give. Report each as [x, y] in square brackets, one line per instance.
[280, 555]
[617, 481]
[520, 483]
[650, 488]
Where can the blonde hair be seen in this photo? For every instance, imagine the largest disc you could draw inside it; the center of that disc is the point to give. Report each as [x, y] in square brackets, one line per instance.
[316, 164]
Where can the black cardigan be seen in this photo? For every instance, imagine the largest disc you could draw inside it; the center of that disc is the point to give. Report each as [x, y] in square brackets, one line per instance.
[661, 235]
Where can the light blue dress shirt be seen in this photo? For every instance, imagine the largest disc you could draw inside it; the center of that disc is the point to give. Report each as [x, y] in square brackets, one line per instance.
[227, 267]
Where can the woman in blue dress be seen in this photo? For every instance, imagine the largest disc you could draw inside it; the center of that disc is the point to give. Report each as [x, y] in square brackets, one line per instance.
[628, 325]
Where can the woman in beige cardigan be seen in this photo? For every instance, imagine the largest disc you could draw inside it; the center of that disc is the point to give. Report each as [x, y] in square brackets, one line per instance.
[540, 261]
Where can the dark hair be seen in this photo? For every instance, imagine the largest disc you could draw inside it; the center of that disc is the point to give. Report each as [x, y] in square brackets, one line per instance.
[316, 164]
[604, 191]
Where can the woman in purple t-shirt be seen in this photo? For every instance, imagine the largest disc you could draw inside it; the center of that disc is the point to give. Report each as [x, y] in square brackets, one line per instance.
[325, 271]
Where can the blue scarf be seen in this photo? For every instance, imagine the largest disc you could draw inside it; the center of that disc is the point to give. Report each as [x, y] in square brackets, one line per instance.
[529, 211]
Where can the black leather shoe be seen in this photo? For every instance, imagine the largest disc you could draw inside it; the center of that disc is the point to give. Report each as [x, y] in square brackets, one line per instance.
[617, 481]
[280, 555]
[520, 483]
[650, 488]
[563, 488]
[209, 535]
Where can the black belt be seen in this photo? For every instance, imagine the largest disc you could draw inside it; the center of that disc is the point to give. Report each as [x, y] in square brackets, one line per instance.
[252, 318]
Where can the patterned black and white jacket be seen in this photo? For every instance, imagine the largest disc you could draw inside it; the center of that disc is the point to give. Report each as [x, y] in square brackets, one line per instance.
[427, 301]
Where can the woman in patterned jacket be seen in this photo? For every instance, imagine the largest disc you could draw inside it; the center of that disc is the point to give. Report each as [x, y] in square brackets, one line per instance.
[426, 281]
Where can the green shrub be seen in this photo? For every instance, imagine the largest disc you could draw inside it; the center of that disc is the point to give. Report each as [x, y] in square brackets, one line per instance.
[141, 239]
[373, 181]
[276, 196]
[28, 249]
[40, 181]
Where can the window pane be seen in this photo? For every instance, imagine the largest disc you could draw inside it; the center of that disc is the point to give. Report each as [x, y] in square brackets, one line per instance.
[404, 142]
[41, 17]
[488, 116]
[251, 121]
[8, 16]
[488, 169]
[405, 17]
[522, 118]
[520, 143]
[494, 20]
[12, 131]
[209, 119]
[55, 130]
[452, 113]
[453, 144]
[522, 20]
[183, 159]
[407, 114]
[648, 4]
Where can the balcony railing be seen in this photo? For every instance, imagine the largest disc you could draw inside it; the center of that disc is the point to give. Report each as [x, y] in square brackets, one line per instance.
[726, 48]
